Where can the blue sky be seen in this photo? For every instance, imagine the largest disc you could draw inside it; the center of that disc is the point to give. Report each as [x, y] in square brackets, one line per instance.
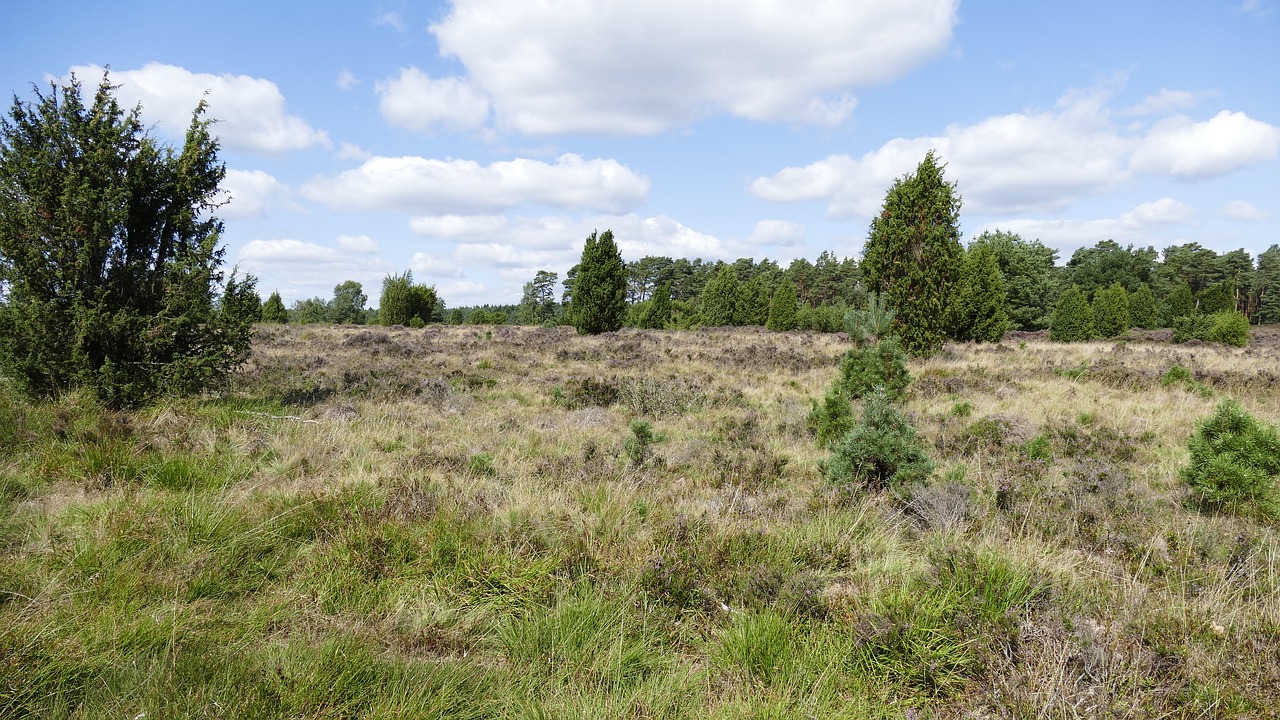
[479, 141]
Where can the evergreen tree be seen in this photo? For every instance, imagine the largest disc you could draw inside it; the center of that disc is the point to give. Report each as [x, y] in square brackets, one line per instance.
[273, 310]
[657, 311]
[404, 302]
[913, 253]
[538, 303]
[1219, 297]
[1142, 308]
[1178, 304]
[720, 298]
[1029, 269]
[347, 307]
[978, 306]
[782, 308]
[1266, 287]
[1072, 319]
[109, 256]
[1111, 311]
[753, 301]
[599, 301]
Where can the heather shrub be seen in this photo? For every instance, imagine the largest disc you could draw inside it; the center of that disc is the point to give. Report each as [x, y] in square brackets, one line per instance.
[1235, 463]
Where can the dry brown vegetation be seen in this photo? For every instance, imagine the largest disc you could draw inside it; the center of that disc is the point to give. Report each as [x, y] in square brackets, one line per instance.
[462, 521]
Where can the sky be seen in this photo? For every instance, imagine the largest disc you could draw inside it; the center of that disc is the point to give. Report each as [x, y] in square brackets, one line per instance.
[476, 142]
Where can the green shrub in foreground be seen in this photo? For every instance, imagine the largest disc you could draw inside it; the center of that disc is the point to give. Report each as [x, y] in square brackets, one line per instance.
[1235, 463]
[862, 369]
[881, 451]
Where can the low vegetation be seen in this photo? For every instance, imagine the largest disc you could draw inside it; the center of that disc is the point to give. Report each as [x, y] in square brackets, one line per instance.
[460, 521]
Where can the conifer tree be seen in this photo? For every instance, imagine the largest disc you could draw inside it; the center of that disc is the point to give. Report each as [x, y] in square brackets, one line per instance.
[657, 311]
[720, 298]
[783, 307]
[978, 307]
[273, 310]
[1142, 308]
[1266, 287]
[404, 302]
[1072, 319]
[1179, 304]
[913, 252]
[599, 302]
[753, 301]
[1111, 311]
[1219, 297]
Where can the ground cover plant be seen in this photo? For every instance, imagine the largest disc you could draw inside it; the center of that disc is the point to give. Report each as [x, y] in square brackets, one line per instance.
[460, 521]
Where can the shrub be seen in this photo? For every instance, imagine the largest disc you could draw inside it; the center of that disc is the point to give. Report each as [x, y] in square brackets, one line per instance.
[824, 318]
[783, 307]
[638, 445]
[1179, 303]
[1219, 297]
[881, 452]
[405, 303]
[273, 310]
[1228, 327]
[1111, 311]
[1142, 308]
[599, 302]
[1072, 319]
[863, 369]
[1235, 463]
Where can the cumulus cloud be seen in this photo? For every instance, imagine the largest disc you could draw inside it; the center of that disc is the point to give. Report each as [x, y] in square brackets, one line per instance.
[416, 101]
[1244, 211]
[358, 244]
[351, 151]
[251, 193]
[433, 187]
[426, 265]
[347, 80]
[250, 111]
[311, 268]
[638, 68]
[1135, 226]
[1191, 150]
[1166, 101]
[777, 233]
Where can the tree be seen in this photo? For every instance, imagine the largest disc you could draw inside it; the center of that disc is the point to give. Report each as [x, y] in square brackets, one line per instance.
[1266, 287]
[657, 309]
[109, 257]
[404, 302]
[753, 301]
[782, 308]
[348, 303]
[1218, 297]
[1142, 308]
[979, 302]
[273, 310]
[912, 255]
[1178, 304]
[538, 302]
[1072, 319]
[1111, 311]
[1105, 263]
[599, 302]
[720, 298]
[1028, 268]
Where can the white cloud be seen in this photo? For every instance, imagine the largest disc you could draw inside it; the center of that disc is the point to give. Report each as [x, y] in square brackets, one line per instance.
[1190, 150]
[250, 111]
[390, 19]
[311, 268]
[1146, 224]
[433, 187]
[358, 244]
[778, 233]
[347, 80]
[351, 151]
[251, 193]
[1244, 211]
[416, 101]
[431, 266]
[637, 68]
[1166, 101]
[1004, 164]
[1165, 211]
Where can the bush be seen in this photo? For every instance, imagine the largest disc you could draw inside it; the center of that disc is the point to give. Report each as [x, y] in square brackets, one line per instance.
[1111, 311]
[405, 303]
[1228, 328]
[824, 318]
[783, 307]
[1235, 463]
[863, 369]
[1142, 308]
[881, 452]
[1072, 319]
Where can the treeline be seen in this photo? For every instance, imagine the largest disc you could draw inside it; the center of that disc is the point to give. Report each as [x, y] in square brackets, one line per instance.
[402, 302]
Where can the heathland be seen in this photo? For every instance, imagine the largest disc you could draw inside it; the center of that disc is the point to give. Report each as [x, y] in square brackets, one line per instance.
[467, 521]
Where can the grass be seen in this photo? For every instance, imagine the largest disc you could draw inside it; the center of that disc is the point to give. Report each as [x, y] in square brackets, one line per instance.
[525, 523]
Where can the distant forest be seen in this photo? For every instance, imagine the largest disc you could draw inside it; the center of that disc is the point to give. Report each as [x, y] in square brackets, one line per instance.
[683, 294]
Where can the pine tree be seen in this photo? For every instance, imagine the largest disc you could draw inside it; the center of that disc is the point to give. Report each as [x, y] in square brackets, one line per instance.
[783, 307]
[1266, 287]
[913, 252]
[978, 307]
[273, 310]
[1072, 319]
[1111, 311]
[599, 301]
[657, 311]
[720, 298]
[1142, 308]
[1179, 304]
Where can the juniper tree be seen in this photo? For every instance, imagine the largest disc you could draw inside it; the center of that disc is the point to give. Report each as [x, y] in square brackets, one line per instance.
[978, 306]
[657, 311]
[720, 298]
[913, 252]
[783, 307]
[110, 260]
[404, 302]
[273, 310]
[1072, 319]
[599, 300]
[1111, 311]
[1179, 304]
[1142, 308]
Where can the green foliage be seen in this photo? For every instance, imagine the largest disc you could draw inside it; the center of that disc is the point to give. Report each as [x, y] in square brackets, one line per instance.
[1072, 319]
[347, 306]
[109, 256]
[870, 323]
[881, 451]
[1266, 287]
[1142, 308]
[1028, 268]
[1111, 311]
[404, 302]
[978, 307]
[599, 301]
[538, 303]
[720, 298]
[657, 309]
[783, 307]
[639, 445]
[753, 301]
[864, 369]
[273, 310]
[1100, 266]
[824, 318]
[1178, 304]
[1228, 328]
[1235, 463]
[1219, 297]
[913, 253]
